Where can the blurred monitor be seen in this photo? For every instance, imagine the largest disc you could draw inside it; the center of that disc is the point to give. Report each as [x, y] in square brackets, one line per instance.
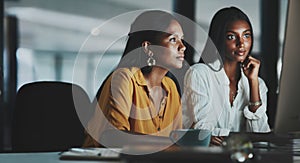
[288, 107]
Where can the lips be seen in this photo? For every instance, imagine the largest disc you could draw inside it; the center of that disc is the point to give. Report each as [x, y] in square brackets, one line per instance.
[180, 57]
[241, 52]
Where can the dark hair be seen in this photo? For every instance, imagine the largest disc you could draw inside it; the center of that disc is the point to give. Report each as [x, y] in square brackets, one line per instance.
[217, 31]
[148, 26]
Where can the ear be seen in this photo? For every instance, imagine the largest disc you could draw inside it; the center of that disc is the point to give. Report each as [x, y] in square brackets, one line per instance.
[146, 45]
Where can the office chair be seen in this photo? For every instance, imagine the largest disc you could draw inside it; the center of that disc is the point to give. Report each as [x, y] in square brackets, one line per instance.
[46, 116]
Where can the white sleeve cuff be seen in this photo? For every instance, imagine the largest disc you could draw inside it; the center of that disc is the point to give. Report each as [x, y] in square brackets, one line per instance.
[254, 116]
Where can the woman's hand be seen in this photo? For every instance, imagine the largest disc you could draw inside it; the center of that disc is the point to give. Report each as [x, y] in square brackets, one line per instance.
[216, 140]
[251, 68]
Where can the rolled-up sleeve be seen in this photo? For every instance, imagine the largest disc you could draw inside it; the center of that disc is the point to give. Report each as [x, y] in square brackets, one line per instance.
[258, 121]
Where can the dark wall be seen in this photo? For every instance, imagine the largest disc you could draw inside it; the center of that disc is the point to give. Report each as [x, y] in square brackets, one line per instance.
[270, 52]
[1, 76]
[187, 9]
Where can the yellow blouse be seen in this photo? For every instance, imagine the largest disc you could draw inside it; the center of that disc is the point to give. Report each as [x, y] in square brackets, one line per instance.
[126, 104]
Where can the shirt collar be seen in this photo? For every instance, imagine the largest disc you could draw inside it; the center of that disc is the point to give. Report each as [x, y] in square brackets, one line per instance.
[223, 79]
[140, 79]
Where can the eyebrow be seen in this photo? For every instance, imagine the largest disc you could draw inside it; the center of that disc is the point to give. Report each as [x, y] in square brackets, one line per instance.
[175, 34]
[247, 30]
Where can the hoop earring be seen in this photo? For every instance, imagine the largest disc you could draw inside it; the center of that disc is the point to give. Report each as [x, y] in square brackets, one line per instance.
[151, 61]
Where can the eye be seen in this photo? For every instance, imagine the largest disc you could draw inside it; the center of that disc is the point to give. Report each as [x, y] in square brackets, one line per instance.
[247, 35]
[230, 37]
[173, 39]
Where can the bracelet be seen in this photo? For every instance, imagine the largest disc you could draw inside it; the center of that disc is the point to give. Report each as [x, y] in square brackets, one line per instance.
[256, 103]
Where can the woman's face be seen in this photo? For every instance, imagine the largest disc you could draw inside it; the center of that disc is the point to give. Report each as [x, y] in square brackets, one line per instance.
[238, 41]
[170, 53]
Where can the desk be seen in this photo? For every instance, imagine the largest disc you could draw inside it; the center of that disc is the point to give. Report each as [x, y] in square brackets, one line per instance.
[53, 157]
[44, 157]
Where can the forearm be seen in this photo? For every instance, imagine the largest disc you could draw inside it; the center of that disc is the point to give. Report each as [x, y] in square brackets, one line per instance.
[255, 100]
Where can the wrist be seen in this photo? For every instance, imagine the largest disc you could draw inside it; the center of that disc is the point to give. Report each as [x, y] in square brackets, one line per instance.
[255, 103]
[253, 85]
[253, 80]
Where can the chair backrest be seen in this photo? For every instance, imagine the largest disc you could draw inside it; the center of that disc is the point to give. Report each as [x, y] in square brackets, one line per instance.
[46, 116]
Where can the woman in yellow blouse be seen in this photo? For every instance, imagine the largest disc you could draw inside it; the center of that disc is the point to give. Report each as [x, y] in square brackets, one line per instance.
[138, 97]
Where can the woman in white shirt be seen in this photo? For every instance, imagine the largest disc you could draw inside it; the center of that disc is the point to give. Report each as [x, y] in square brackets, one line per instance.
[232, 98]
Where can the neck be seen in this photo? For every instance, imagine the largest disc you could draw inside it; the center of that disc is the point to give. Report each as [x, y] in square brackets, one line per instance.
[232, 70]
[154, 78]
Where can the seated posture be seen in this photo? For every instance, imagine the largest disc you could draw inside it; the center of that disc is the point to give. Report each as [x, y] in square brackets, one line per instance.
[233, 98]
[138, 98]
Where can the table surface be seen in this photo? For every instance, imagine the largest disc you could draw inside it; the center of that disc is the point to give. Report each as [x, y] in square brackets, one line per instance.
[41, 157]
[53, 157]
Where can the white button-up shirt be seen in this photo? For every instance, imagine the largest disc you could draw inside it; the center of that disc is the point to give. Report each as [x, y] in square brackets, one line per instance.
[206, 103]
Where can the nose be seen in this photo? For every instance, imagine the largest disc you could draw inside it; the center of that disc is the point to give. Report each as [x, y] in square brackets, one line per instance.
[181, 47]
[240, 42]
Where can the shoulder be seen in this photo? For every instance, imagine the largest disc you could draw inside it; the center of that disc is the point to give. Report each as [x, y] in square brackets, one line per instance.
[124, 76]
[198, 70]
[201, 68]
[169, 83]
[126, 72]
